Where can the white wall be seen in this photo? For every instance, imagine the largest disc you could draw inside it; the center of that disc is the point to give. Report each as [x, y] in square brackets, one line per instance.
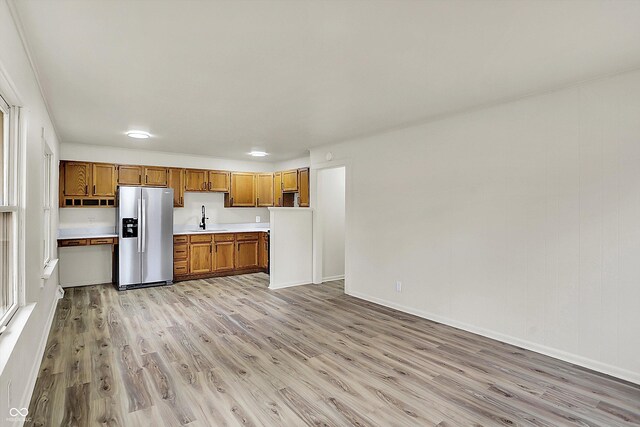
[520, 222]
[19, 86]
[290, 247]
[301, 162]
[330, 212]
[99, 153]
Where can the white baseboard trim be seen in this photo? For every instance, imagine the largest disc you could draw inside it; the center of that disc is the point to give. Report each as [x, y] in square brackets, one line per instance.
[79, 284]
[604, 368]
[35, 368]
[332, 278]
[289, 284]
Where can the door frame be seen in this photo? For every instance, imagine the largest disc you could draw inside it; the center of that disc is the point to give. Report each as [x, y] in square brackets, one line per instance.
[318, 239]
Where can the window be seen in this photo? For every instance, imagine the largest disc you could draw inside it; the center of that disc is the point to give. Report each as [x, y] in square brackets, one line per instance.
[8, 214]
[46, 204]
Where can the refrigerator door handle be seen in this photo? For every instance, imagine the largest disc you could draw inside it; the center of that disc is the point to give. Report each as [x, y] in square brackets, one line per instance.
[144, 225]
[139, 225]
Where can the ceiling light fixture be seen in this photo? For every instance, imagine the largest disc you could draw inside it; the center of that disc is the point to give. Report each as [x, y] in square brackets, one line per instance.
[138, 134]
[258, 153]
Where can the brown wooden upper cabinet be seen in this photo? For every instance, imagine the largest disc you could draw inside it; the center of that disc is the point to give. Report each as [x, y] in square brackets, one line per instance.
[243, 190]
[155, 176]
[176, 181]
[277, 189]
[129, 175]
[264, 191]
[103, 178]
[303, 183]
[219, 181]
[290, 181]
[196, 180]
[77, 176]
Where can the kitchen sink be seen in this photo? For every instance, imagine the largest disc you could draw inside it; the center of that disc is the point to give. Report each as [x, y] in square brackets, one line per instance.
[212, 230]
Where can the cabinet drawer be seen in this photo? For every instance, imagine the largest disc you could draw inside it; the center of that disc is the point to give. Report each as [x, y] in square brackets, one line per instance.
[200, 238]
[180, 268]
[181, 239]
[223, 237]
[180, 251]
[103, 241]
[72, 242]
[247, 236]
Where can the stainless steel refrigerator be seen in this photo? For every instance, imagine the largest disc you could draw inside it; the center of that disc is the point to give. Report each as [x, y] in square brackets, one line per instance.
[145, 237]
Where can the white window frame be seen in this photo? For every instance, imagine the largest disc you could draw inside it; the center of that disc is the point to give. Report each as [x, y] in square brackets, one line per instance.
[47, 193]
[10, 204]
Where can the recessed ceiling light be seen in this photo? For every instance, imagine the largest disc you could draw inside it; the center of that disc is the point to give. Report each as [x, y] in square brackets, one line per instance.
[138, 134]
[258, 153]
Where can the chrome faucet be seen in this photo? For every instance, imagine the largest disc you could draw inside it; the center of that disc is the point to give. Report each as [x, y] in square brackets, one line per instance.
[203, 223]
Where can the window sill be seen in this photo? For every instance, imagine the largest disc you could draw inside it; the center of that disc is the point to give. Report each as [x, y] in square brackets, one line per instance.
[49, 269]
[9, 337]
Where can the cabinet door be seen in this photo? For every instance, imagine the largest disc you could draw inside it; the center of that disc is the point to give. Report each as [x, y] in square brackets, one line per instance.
[103, 176]
[176, 181]
[200, 258]
[264, 189]
[243, 189]
[263, 252]
[277, 189]
[247, 254]
[290, 180]
[155, 176]
[77, 178]
[129, 175]
[303, 183]
[196, 180]
[223, 256]
[219, 181]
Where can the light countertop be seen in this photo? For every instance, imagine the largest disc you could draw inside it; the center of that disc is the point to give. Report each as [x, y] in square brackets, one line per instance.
[106, 232]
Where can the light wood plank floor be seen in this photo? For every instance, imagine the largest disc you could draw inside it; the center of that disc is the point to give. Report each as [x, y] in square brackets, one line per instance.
[228, 351]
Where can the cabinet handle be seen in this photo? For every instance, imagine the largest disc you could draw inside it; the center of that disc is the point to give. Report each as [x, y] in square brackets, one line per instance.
[94, 189]
[146, 179]
[209, 185]
[232, 201]
[258, 201]
[86, 189]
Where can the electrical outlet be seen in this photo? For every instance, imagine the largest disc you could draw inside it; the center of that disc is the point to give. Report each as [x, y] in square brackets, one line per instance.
[257, 218]
[398, 286]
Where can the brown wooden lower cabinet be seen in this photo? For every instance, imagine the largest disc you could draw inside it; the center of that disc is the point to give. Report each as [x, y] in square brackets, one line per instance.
[200, 258]
[263, 252]
[210, 255]
[223, 257]
[247, 254]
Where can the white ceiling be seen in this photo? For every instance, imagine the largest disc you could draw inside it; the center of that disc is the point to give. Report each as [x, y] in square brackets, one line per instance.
[220, 78]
